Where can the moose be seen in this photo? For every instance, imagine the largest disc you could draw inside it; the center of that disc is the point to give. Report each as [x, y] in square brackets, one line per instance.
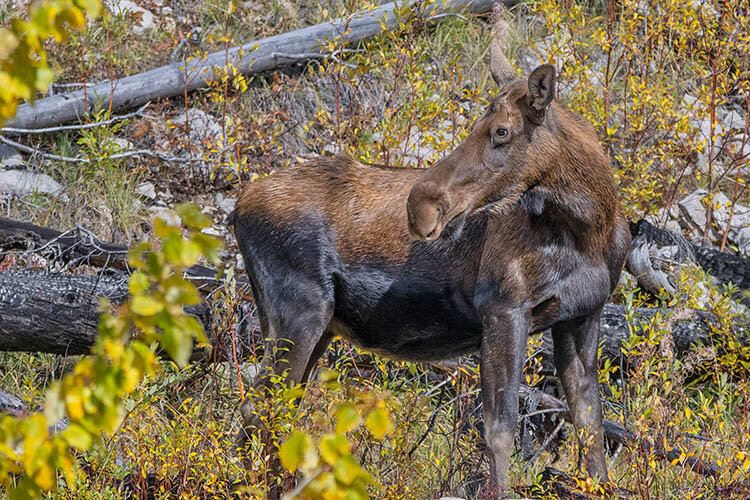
[516, 231]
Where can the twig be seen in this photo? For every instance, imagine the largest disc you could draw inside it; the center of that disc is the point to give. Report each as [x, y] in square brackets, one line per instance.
[173, 55]
[303, 484]
[12, 130]
[73, 85]
[312, 55]
[546, 443]
[447, 14]
[430, 424]
[126, 154]
[540, 412]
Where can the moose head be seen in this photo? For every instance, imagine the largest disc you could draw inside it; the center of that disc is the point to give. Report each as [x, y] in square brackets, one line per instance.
[489, 170]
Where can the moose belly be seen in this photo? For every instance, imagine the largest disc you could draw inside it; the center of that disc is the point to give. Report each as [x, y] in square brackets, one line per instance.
[405, 316]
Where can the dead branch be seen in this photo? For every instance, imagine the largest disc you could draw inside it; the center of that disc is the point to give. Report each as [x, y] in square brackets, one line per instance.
[80, 246]
[616, 434]
[23, 131]
[251, 58]
[78, 159]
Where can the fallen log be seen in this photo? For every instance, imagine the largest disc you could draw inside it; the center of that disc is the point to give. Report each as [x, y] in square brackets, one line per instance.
[251, 58]
[59, 313]
[656, 254]
[11, 404]
[79, 246]
[616, 435]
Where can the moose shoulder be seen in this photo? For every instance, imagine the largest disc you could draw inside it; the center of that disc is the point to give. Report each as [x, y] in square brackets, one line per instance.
[517, 230]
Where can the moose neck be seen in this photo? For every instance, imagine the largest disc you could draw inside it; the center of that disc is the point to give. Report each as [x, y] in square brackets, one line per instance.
[576, 187]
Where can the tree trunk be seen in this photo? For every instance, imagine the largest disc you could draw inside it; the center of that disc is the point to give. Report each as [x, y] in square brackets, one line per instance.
[253, 57]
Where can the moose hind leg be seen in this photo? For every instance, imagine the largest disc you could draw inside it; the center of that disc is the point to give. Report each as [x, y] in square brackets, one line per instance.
[576, 345]
[296, 337]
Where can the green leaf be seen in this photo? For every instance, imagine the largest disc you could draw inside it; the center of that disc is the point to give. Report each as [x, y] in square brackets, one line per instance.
[209, 246]
[145, 306]
[180, 251]
[293, 393]
[379, 422]
[178, 344]
[347, 470]
[162, 229]
[333, 447]
[292, 452]
[192, 216]
[138, 284]
[78, 437]
[347, 418]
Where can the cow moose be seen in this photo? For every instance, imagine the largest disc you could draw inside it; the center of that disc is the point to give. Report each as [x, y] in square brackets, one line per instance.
[516, 231]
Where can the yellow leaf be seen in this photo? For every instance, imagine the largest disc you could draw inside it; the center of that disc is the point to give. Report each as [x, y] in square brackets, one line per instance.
[333, 447]
[379, 422]
[347, 418]
[145, 306]
[292, 452]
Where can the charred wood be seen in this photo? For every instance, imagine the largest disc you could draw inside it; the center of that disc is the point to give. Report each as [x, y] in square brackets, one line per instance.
[655, 252]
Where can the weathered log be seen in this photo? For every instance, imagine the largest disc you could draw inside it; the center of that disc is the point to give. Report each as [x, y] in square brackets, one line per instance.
[251, 58]
[617, 434]
[79, 246]
[76, 246]
[11, 404]
[59, 313]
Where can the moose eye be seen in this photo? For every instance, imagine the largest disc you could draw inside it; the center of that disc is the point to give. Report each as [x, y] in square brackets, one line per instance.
[499, 137]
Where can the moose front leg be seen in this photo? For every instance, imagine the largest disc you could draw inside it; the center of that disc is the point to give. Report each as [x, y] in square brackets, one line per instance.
[503, 351]
[576, 346]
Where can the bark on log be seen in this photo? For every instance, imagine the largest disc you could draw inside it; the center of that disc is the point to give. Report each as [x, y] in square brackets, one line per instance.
[11, 404]
[253, 57]
[654, 252]
[58, 313]
[616, 434]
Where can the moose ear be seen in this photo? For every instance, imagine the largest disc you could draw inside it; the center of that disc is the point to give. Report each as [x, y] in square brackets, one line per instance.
[541, 87]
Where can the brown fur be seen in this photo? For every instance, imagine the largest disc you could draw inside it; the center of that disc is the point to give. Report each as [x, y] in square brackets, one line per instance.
[362, 201]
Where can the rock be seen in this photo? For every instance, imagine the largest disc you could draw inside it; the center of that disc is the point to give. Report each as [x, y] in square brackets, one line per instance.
[213, 231]
[167, 215]
[694, 212]
[165, 195]
[627, 281]
[694, 216]
[24, 182]
[145, 18]
[734, 121]
[742, 238]
[202, 125]
[671, 219]
[226, 204]
[9, 157]
[689, 101]
[122, 144]
[147, 190]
